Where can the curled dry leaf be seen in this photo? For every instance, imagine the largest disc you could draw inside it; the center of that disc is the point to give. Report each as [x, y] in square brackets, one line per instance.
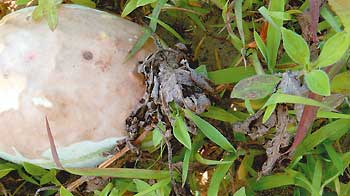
[254, 127]
[168, 78]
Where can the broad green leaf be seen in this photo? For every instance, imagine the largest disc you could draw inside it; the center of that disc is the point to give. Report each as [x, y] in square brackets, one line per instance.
[5, 169]
[318, 82]
[87, 3]
[65, 192]
[49, 177]
[296, 47]
[266, 14]
[219, 174]
[261, 45]
[341, 83]
[204, 161]
[185, 166]
[255, 87]
[341, 8]
[27, 178]
[331, 131]
[273, 38]
[240, 192]
[22, 2]
[334, 48]
[121, 173]
[144, 2]
[220, 114]
[34, 170]
[285, 98]
[209, 131]
[230, 75]
[180, 131]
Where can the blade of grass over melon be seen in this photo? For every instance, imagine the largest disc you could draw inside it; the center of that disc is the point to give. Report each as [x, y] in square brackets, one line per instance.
[168, 28]
[231, 75]
[148, 31]
[121, 172]
[210, 131]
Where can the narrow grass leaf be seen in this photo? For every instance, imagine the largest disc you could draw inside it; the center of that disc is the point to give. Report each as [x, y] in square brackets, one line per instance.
[325, 114]
[87, 3]
[335, 157]
[185, 166]
[219, 174]
[318, 82]
[230, 75]
[296, 47]
[210, 131]
[65, 192]
[169, 29]
[331, 131]
[268, 112]
[156, 186]
[334, 48]
[273, 38]
[180, 131]
[144, 2]
[204, 161]
[139, 43]
[255, 87]
[331, 20]
[121, 173]
[106, 190]
[261, 45]
[341, 8]
[317, 178]
[285, 98]
[220, 114]
[22, 2]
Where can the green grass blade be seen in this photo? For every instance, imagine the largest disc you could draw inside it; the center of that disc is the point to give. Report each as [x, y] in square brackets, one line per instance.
[220, 114]
[230, 75]
[219, 174]
[331, 131]
[204, 161]
[273, 38]
[154, 187]
[210, 131]
[168, 28]
[121, 172]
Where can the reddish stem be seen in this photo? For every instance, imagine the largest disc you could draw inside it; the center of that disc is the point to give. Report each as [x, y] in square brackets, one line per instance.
[306, 121]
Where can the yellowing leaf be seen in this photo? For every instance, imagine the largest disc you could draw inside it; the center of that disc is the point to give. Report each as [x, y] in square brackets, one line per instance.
[341, 8]
[341, 83]
[255, 87]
